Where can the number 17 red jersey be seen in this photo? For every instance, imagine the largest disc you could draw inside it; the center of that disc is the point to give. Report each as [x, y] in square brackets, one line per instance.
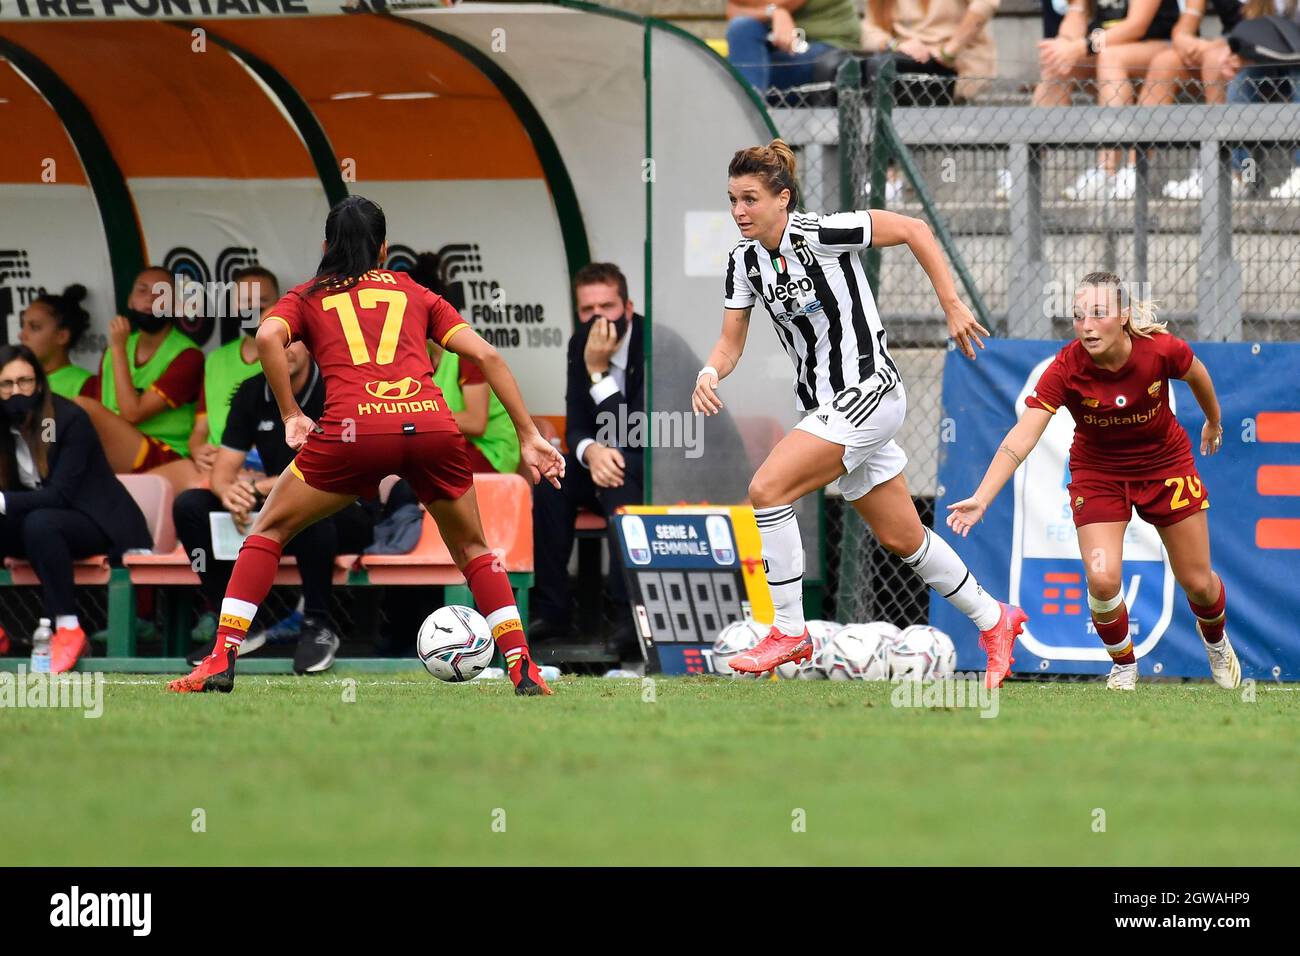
[369, 341]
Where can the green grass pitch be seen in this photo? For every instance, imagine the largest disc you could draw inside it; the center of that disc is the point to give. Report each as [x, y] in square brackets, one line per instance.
[714, 771]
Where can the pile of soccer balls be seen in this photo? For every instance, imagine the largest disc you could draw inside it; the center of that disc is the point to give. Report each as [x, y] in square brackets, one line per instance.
[875, 651]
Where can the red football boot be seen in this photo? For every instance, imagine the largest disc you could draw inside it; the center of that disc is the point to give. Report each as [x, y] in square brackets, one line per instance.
[773, 651]
[527, 678]
[998, 642]
[67, 644]
[215, 672]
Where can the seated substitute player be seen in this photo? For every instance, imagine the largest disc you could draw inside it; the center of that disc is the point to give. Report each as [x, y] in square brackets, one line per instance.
[254, 422]
[52, 327]
[149, 379]
[228, 367]
[367, 328]
[806, 269]
[1128, 452]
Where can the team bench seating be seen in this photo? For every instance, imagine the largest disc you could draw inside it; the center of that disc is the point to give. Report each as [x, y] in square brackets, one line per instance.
[505, 505]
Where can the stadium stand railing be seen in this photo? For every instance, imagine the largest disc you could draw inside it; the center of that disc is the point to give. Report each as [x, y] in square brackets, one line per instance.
[1208, 221]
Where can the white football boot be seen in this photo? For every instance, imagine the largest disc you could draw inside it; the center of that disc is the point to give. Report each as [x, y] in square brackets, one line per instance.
[1224, 666]
[1123, 677]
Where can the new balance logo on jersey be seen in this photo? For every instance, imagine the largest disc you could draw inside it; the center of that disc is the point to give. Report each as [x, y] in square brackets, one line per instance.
[266, 425]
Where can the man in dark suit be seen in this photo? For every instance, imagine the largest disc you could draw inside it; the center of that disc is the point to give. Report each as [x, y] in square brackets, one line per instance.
[606, 385]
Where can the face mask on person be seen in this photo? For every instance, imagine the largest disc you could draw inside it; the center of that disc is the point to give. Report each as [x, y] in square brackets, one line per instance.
[17, 408]
[146, 321]
[620, 325]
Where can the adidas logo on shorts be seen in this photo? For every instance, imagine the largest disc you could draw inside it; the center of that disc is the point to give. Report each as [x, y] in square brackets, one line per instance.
[823, 418]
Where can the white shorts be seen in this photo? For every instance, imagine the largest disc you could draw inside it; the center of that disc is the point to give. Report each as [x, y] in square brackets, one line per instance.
[864, 419]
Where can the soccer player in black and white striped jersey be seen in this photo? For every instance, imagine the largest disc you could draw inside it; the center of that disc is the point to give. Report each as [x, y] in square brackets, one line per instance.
[807, 271]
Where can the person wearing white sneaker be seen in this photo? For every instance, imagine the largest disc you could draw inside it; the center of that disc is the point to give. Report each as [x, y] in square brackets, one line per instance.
[1290, 187]
[1191, 58]
[1129, 452]
[1114, 47]
[1224, 666]
[1123, 677]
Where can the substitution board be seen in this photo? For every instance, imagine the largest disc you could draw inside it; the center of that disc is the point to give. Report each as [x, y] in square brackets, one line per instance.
[690, 572]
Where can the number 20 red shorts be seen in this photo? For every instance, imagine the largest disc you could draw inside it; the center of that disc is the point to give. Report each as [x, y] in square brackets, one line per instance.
[1159, 501]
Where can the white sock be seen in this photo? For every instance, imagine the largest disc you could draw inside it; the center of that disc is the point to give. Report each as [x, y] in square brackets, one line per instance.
[939, 567]
[783, 564]
[66, 620]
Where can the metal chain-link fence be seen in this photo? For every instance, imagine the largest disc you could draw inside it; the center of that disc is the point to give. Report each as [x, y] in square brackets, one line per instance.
[1197, 206]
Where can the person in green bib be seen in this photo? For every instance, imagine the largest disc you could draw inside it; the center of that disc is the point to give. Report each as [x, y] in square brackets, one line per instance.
[493, 443]
[229, 366]
[150, 379]
[51, 327]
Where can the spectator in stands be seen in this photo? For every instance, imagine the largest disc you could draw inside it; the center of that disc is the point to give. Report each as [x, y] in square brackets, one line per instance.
[493, 442]
[606, 373]
[1189, 57]
[59, 500]
[775, 45]
[226, 368]
[254, 421]
[941, 38]
[149, 382]
[1257, 82]
[1053, 13]
[1113, 42]
[51, 327]
[1225, 79]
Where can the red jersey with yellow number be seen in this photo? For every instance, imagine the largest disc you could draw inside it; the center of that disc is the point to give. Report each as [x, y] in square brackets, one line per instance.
[1123, 426]
[369, 341]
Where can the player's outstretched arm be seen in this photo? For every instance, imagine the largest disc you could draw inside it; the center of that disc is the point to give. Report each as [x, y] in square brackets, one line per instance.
[541, 456]
[722, 361]
[891, 229]
[1015, 448]
[272, 339]
[1202, 386]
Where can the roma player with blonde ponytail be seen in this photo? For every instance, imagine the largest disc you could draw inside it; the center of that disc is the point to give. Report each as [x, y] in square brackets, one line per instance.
[1129, 452]
[806, 269]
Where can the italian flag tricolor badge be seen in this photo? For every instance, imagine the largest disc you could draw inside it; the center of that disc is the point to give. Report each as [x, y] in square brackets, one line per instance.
[778, 263]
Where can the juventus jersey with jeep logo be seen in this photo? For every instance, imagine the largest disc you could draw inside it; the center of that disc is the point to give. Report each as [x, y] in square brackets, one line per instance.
[816, 292]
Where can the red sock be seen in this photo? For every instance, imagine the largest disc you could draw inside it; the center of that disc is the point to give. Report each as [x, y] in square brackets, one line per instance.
[250, 583]
[496, 602]
[1212, 617]
[1114, 634]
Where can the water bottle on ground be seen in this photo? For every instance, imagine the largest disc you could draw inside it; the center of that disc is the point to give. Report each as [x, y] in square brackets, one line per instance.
[41, 647]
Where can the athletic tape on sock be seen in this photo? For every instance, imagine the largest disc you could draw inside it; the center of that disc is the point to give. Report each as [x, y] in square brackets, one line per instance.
[1098, 606]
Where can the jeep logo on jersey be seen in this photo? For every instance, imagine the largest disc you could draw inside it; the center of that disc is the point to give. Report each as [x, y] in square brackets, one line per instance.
[394, 391]
[787, 290]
